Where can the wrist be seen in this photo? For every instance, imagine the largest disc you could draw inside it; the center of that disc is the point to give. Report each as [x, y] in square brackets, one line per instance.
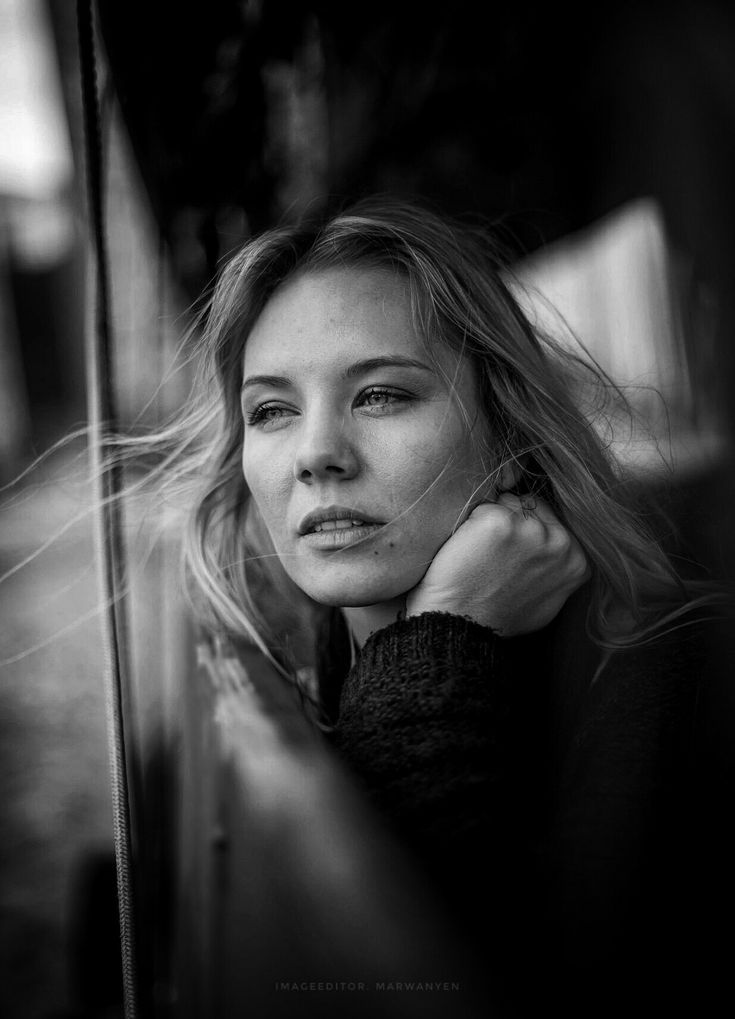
[420, 606]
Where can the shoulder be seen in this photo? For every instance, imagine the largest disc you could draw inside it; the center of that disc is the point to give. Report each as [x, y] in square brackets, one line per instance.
[639, 714]
[664, 666]
[646, 694]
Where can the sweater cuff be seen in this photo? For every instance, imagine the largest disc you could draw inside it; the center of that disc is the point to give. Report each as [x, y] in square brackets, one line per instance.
[430, 636]
[423, 685]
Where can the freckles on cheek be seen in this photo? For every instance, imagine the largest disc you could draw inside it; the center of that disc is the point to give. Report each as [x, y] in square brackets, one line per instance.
[256, 480]
[426, 473]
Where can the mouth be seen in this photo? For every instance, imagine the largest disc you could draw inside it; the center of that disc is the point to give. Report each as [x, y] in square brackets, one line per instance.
[337, 526]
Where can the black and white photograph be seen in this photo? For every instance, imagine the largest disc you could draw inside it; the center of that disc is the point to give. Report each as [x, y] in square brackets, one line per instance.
[367, 388]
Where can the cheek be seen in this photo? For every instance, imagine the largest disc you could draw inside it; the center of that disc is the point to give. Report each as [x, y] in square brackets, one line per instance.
[435, 477]
[267, 486]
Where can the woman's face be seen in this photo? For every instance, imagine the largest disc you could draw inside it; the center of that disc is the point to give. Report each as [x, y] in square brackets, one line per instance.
[358, 452]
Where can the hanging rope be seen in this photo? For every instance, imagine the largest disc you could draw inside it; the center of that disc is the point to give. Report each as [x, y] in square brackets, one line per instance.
[109, 532]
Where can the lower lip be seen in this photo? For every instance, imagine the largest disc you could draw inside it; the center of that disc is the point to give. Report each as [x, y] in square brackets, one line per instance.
[341, 537]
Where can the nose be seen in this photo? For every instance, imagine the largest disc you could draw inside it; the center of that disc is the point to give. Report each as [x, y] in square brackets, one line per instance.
[325, 453]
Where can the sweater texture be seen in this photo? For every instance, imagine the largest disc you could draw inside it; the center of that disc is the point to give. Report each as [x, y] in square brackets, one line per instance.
[557, 808]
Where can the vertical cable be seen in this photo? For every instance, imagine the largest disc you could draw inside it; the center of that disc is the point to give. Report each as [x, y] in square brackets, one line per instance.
[108, 476]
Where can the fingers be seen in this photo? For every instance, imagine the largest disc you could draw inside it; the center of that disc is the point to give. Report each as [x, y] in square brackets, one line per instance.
[533, 507]
[509, 509]
[528, 506]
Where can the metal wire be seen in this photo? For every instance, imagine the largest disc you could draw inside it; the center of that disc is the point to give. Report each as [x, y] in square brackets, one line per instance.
[108, 523]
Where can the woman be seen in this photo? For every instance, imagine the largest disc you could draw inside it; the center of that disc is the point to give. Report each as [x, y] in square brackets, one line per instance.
[404, 507]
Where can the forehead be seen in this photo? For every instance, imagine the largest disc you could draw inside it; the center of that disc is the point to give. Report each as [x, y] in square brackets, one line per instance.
[333, 316]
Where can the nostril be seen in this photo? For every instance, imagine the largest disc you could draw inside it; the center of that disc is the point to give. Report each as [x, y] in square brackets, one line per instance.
[310, 466]
[305, 474]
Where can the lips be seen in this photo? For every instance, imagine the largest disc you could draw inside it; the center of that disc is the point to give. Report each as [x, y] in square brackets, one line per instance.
[335, 518]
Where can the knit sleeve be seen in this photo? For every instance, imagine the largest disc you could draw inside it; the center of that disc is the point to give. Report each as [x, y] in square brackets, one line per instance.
[421, 724]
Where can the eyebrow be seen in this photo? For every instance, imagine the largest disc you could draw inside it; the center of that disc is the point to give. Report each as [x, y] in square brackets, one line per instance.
[354, 370]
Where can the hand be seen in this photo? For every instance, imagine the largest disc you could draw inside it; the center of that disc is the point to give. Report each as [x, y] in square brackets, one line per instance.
[510, 566]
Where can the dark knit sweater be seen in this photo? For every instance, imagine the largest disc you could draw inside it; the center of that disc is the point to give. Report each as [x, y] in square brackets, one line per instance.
[558, 817]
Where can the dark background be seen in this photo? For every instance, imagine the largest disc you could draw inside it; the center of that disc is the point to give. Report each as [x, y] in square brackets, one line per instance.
[541, 117]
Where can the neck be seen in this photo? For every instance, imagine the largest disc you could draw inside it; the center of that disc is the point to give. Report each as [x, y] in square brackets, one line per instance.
[366, 619]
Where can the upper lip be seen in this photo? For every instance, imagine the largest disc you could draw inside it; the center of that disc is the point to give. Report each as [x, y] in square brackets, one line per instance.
[318, 516]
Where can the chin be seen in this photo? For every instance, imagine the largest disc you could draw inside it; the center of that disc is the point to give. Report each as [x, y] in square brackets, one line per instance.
[353, 591]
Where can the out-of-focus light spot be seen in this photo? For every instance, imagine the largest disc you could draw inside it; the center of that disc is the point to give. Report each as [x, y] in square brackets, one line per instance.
[42, 231]
[611, 288]
[35, 155]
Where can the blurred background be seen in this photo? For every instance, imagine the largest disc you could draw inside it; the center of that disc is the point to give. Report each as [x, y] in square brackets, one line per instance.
[602, 148]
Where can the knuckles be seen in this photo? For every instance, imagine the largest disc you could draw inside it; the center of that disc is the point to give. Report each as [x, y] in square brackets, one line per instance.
[582, 568]
[494, 518]
[561, 541]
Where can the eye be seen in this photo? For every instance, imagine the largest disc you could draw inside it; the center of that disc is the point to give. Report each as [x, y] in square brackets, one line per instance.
[379, 398]
[268, 414]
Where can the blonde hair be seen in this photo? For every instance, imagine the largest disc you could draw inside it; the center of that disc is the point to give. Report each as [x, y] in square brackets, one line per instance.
[459, 294]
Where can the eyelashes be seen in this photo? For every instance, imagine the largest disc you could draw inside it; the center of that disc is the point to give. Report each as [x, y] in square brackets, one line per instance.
[265, 413]
[376, 400]
[382, 396]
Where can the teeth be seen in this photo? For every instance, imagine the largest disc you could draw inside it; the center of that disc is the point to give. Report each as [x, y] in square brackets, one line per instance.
[335, 525]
